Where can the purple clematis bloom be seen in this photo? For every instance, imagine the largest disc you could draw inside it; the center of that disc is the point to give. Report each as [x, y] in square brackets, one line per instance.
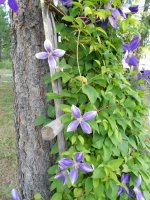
[66, 3]
[77, 163]
[130, 58]
[134, 9]
[50, 54]
[125, 179]
[62, 175]
[138, 193]
[111, 19]
[12, 4]
[144, 74]
[14, 195]
[86, 128]
[125, 10]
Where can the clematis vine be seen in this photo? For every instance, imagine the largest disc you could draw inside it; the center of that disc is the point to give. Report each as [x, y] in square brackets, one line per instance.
[125, 179]
[80, 120]
[11, 3]
[50, 54]
[66, 3]
[14, 195]
[76, 164]
[129, 58]
[145, 74]
[137, 191]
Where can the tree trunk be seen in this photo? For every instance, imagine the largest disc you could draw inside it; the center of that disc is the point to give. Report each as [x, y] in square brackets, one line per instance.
[29, 102]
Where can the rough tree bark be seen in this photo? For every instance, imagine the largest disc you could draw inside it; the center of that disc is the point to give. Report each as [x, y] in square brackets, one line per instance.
[29, 102]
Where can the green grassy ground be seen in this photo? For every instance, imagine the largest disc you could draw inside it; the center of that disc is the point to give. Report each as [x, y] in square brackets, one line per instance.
[7, 136]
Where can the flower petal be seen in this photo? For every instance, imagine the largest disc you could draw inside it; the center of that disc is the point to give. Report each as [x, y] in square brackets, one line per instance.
[86, 128]
[2, 1]
[89, 115]
[133, 60]
[73, 126]
[125, 47]
[59, 175]
[52, 61]
[56, 2]
[125, 178]
[13, 5]
[79, 157]
[113, 22]
[41, 55]
[58, 52]
[48, 45]
[120, 190]
[67, 3]
[75, 111]
[105, 23]
[64, 180]
[134, 9]
[138, 181]
[138, 194]
[14, 194]
[66, 162]
[74, 175]
[135, 42]
[85, 167]
[115, 13]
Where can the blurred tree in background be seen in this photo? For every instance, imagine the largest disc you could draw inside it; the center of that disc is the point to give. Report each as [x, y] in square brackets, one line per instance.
[5, 42]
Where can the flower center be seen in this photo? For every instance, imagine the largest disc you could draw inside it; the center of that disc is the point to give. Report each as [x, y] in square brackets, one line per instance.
[49, 54]
[76, 164]
[130, 54]
[80, 119]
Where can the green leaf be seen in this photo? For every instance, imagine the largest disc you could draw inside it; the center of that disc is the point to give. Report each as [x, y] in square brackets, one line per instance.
[99, 173]
[77, 192]
[81, 139]
[40, 120]
[87, 11]
[116, 163]
[52, 95]
[91, 93]
[37, 196]
[68, 18]
[57, 196]
[88, 185]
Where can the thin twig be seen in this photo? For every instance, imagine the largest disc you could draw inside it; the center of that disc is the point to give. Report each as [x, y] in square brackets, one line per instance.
[78, 42]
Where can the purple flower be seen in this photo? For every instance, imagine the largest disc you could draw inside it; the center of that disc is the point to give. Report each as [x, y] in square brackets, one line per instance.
[130, 58]
[134, 9]
[63, 174]
[66, 3]
[14, 195]
[137, 191]
[50, 54]
[125, 10]
[111, 19]
[144, 74]
[125, 179]
[12, 4]
[77, 163]
[86, 128]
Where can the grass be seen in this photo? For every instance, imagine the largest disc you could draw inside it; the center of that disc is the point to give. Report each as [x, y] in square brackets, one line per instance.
[7, 136]
[5, 64]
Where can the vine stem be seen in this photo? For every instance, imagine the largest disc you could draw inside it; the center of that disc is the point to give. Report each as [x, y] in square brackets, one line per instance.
[78, 42]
